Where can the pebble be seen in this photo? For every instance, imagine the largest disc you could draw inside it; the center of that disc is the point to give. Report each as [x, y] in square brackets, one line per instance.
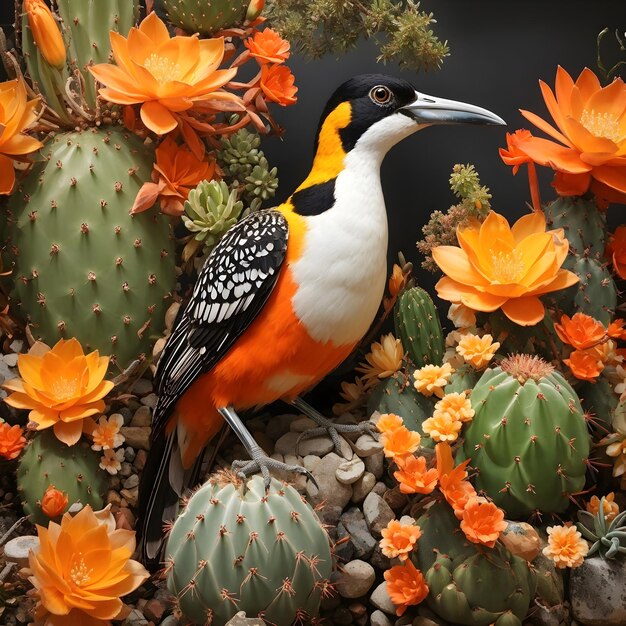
[362, 487]
[140, 460]
[377, 513]
[131, 481]
[137, 436]
[381, 600]
[360, 536]
[135, 618]
[378, 618]
[344, 550]
[366, 446]
[240, 619]
[142, 417]
[113, 498]
[154, 610]
[279, 425]
[126, 471]
[355, 579]
[129, 454]
[130, 495]
[407, 520]
[142, 387]
[317, 446]
[395, 498]
[379, 560]
[302, 424]
[350, 471]
[375, 463]
[265, 443]
[311, 462]
[10, 359]
[17, 345]
[16, 550]
[348, 418]
[331, 491]
[380, 488]
[420, 620]
[287, 443]
[342, 616]
[521, 539]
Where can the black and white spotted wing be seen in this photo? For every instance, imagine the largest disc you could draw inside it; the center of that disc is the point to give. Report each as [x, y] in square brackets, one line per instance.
[232, 288]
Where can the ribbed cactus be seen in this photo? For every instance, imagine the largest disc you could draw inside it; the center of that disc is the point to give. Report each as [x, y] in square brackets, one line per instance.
[463, 379]
[73, 469]
[469, 583]
[237, 548]
[397, 394]
[204, 16]
[84, 267]
[528, 440]
[418, 327]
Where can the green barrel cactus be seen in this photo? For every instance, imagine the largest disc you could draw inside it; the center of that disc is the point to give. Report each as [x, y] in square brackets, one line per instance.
[204, 16]
[463, 379]
[418, 327]
[73, 469]
[528, 441]
[236, 547]
[84, 267]
[470, 584]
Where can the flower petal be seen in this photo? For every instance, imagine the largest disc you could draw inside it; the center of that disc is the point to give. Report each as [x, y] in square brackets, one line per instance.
[526, 311]
[454, 262]
[68, 432]
[157, 118]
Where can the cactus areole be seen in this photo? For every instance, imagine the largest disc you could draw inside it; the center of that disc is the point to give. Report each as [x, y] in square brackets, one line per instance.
[84, 267]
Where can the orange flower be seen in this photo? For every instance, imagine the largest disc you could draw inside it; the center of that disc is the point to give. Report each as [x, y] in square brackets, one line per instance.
[566, 547]
[514, 155]
[452, 484]
[399, 539]
[11, 441]
[62, 389]
[406, 586]
[616, 250]
[616, 329]
[176, 172]
[590, 119]
[46, 32]
[584, 365]
[388, 422]
[400, 441]
[581, 331]
[413, 475]
[16, 115]
[397, 280]
[277, 83]
[54, 502]
[498, 266]
[482, 521]
[610, 507]
[81, 569]
[431, 379]
[477, 351]
[461, 316]
[106, 434]
[165, 75]
[442, 426]
[383, 360]
[267, 46]
[456, 404]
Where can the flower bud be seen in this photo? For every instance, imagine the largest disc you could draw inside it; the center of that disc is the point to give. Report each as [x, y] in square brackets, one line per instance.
[46, 32]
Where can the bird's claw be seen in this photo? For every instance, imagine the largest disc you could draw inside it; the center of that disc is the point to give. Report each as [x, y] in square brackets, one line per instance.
[264, 464]
[332, 430]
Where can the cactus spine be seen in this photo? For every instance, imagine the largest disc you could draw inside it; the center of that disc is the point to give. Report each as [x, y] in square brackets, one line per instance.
[238, 548]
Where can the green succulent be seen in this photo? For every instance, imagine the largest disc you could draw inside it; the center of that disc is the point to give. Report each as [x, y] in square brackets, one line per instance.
[262, 182]
[239, 153]
[609, 540]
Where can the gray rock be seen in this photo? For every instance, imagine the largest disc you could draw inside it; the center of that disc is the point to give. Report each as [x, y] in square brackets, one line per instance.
[302, 424]
[366, 445]
[311, 462]
[420, 620]
[380, 488]
[16, 345]
[131, 481]
[350, 471]
[126, 471]
[331, 491]
[362, 487]
[381, 600]
[344, 550]
[265, 443]
[378, 618]
[540, 615]
[10, 359]
[360, 536]
[240, 619]
[150, 400]
[136, 436]
[317, 446]
[129, 454]
[355, 579]
[598, 593]
[377, 513]
[375, 463]
[279, 425]
[379, 560]
[287, 444]
[135, 618]
[142, 417]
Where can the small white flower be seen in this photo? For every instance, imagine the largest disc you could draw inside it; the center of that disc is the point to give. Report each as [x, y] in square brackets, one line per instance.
[112, 461]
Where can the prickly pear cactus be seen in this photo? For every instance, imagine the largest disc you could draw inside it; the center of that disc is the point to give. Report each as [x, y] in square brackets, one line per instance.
[397, 394]
[204, 16]
[84, 267]
[73, 469]
[528, 440]
[470, 584]
[238, 548]
[418, 327]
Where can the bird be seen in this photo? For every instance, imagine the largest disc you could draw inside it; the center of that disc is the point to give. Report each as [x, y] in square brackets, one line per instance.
[285, 295]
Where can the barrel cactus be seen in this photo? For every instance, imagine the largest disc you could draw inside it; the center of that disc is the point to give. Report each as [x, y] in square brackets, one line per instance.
[418, 327]
[72, 469]
[240, 548]
[528, 441]
[470, 584]
[204, 16]
[84, 267]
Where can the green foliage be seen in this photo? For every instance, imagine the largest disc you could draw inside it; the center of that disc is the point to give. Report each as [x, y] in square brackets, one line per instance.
[608, 540]
[84, 267]
[73, 469]
[402, 30]
[203, 16]
[237, 548]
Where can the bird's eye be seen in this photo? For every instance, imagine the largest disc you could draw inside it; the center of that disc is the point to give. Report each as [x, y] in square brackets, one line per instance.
[381, 95]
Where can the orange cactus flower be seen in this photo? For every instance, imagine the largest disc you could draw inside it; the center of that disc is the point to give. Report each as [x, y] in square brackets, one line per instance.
[591, 151]
[399, 539]
[498, 266]
[12, 441]
[514, 155]
[442, 426]
[413, 475]
[267, 46]
[383, 360]
[616, 251]
[106, 435]
[54, 502]
[585, 365]
[400, 441]
[82, 568]
[616, 329]
[62, 388]
[478, 351]
[17, 114]
[176, 172]
[566, 546]
[397, 280]
[581, 331]
[165, 75]
[482, 521]
[431, 379]
[277, 83]
[456, 404]
[46, 32]
[455, 489]
[388, 422]
[610, 507]
[406, 586]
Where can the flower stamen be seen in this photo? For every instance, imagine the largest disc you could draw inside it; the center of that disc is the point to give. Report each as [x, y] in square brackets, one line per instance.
[508, 267]
[601, 124]
[162, 69]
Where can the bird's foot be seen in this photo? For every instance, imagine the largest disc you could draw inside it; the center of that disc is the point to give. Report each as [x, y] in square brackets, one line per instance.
[332, 430]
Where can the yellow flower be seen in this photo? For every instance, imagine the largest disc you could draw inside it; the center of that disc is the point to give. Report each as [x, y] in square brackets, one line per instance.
[400, 441]
[45, 32]
[477, 351]
[62, 388]
[81, 569]
[384, 359]
[611, 508]
[111, 461]
[107, 433]
[442, 427]
[431, 379]
[566, 547]
[498, 266]
[456, 405]
[388, 422]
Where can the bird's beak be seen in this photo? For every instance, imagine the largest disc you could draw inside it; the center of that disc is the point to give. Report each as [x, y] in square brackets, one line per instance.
[430, 110]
